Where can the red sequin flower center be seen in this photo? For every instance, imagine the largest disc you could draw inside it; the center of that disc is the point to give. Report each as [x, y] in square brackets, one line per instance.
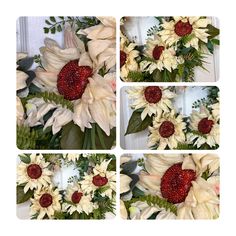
[166, 129]
[73, 79]
[157, 51]
[183, 28]
[76, 197]
[205, 126]
[176, 183]
[45, 200]
[123, 58]
[34, 171]
[99, 180]
[153, 94]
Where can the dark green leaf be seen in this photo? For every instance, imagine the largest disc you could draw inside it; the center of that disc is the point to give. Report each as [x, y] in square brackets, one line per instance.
[25, 63]
[52, 19]
[75, 215]
[212, 31]
[137, 192]
[48, 22]
[215, 41]
[157, 76]
[108, 140]
[21, 196]
[53, 30]
[46, 30]
[136, 124]
[210, 46]
[59, 28]
[72, 137]
[128, 167]
[59, 215]
[31, 77]
[25, 158]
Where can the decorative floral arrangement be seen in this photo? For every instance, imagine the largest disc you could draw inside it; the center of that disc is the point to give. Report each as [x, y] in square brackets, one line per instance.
[89, 195]
[168, 129]
[174, 48]
[69, 100]
[177, 186]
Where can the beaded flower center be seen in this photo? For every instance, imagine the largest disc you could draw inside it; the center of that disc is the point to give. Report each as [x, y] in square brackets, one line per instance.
[166, 129]
[45, 200]
[183, 28]
[205, 126]
[76, 197]
[99, 180]
[157, 51]
[34, 171]
[153, 94]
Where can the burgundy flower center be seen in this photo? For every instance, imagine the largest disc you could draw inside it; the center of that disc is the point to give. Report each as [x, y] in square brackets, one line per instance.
[99, 180]
[123, 58]
[153, 94]
[73, 79]
[34, 171]
[183, 28]
[76, 197]
[157, 51]
[166, 129]
[205, 126]
[176, 183]
[45, 200]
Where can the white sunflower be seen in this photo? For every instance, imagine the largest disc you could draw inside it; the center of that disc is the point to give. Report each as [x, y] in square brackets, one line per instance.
[70, 73]
[127, 57]
[181, 26]
[153, 99]
[34, 175]
[167, 131]
[78, 201]
[100, 177]
[45, 202]
[178, 179]
[162, 57]
[71, 157]
[204, 128]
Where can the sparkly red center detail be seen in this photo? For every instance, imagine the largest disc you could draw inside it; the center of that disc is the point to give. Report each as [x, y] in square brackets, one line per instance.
[99, 180]
[153, 94]
[45, 200]
[123, 58]
[34, 171]
[76, 197]
[157, 51]
[73, 79]
[205, 126]
[183, 28]
[176, 183]
[166, 129]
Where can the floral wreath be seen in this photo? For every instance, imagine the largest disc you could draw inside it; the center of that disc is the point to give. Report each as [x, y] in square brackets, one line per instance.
[89, 195]
[153, 109]
[176, 186]
[69, 100]
[175, 47]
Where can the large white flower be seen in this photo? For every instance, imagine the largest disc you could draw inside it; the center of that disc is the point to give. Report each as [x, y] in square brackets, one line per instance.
[153, 99]
[180, 26]
[70, 73]
[102, 46]
[160, 56]
[34, 175]
[204, 128]
[127, 57]
[78, 201]
[178, 179]
[167, 131]
[45, 203]
[100, 177]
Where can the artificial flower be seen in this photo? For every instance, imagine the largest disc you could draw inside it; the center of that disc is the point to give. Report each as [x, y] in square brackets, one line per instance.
[127, 57]
[167, 131]
[45, 203]
[183, 26]
[178, 179]
[71, 157]
[100, 177]
[152, 99]
[70, 73]
[34, 175]
[204, 128]
[78, 201]
[160, 56]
